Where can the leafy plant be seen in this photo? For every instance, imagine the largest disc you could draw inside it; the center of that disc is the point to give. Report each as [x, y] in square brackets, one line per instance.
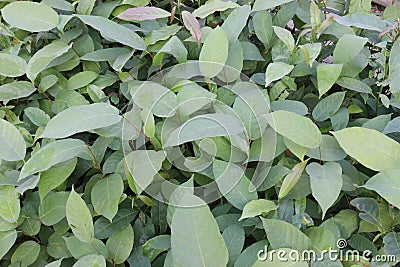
[197, 133]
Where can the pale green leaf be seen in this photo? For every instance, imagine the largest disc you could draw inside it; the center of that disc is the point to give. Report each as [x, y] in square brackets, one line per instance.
[387, 185]
[212, 6]
[79, 218]
[52, 208]
[15, 90]
[30, 16]
[268, 4]
[120, 244]
[12, 144]
[26, 253]
[257, 207]
[298, 129]
[78, 119]
[327, 74]
[12, 65]
[7, 240]
[214, 53]
[328, 106]
[276, 71]
[9, 204]
[52, 154]
[91, 260]
[292, 178]
[326, 183]
[370, 147]
[106, 194]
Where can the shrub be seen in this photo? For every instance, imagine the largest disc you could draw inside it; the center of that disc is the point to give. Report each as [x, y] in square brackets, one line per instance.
[197, 133]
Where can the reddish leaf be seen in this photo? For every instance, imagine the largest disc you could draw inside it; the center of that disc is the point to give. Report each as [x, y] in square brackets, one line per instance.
[143, 13]
[192, 24]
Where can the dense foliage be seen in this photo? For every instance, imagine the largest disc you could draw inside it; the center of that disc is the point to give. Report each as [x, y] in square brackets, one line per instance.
[196, 133]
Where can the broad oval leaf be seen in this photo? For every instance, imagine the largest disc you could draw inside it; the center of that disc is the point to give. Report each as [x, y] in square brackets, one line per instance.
[257, 207]
[282, 234]
[9, 204]
[298, 129]
[327, 75]
[91, 260]
[370, 147]
[7, 240]
[15, 90]
[12, 144]
[195, 232]
[43, 57]
[52, 154]
[26, 253]
[113, 31]
[120, 244]
[326, 183]
[30, 16]
[328, 106]
[292, 178]
[52, 208]
[387, 185]
[214, 53]
[143, 13]
[212, 6]
[78, 119]
[276, 71]
[79, 218]
[106, 194]
[268, 4]
[12, 65]
[202, 126]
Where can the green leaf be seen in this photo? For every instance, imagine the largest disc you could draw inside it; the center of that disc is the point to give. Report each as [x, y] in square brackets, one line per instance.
[174, 47]
[26, 254]
[91, 261]
[85, 7]
[143, 13]
[326, 183]
[282, 234]
[43, 57]
[106, 194]
[298, 129]
[347, 48]
[9, 204]
[276, 71]
[392, 243]
[120, 245]
[214, 53]
[12, 144]
[37, 116]
[79, 249]
[83, 118]
[30, 16]
[79, 218]
[113, 31]
[249, 255]
[354, 85]
[143, 165]
[106, 54]
[162, 33]
[52, 208]
[195, 232]
[268, 4]
[328, 106]
[234, 238]
[54, 263]
[81, 79]
[262, 21]
[329, 150]
[55, 176]
[161, 101]
[387, 185]
[233, 184]
[212, 6]
[285, 36]
[103, 228]
[327, 75]
[370, 147]
[202, 126]
[12, 65]
[236, 21]
[15, 90]
[156, 245]
[292, 178]
[369, 208]
[257, 207]
[363, 21]
[52, 154]
[7, 240]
